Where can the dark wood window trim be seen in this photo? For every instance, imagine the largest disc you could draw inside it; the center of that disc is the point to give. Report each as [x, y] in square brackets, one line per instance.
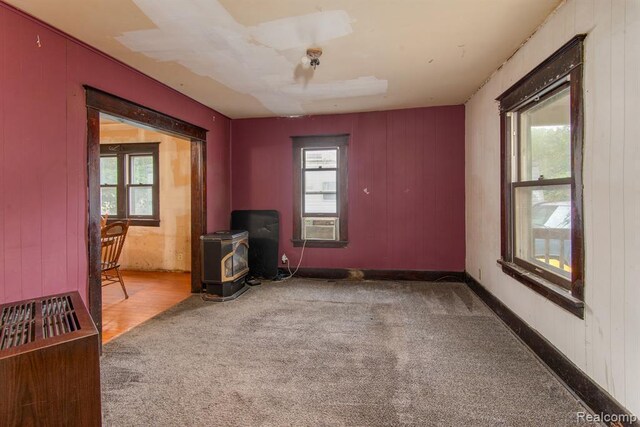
[124, 153]
[565, 65]
[341, 142]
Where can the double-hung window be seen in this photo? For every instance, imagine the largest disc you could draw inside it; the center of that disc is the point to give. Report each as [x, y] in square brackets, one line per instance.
[320, 190]
[542, 178]
[129, 183]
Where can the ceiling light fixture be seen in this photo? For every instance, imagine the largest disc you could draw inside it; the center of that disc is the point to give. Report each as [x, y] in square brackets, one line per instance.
[314, 54]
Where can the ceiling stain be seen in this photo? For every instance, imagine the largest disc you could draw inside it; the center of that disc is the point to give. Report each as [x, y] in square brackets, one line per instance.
[203, 37]
[243, 58]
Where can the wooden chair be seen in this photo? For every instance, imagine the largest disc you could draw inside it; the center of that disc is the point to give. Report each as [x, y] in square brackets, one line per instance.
[112, 239]
[103, 220]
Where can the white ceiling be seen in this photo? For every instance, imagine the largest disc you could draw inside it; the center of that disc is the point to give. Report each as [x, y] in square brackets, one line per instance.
[242, 57]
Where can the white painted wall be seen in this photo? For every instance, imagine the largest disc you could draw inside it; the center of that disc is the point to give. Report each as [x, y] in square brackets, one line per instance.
[606, 345]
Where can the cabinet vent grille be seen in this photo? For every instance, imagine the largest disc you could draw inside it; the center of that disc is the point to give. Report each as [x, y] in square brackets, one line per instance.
[58, 316]
[17, 325]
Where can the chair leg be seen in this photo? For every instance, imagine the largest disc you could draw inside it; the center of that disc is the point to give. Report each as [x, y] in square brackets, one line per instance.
[122, 284]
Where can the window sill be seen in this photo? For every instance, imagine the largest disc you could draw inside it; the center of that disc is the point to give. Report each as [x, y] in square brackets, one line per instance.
[137, 222]
[320, 243]
[551, 291]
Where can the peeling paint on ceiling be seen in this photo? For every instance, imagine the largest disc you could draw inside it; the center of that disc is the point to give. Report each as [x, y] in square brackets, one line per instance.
[242, 57]
[203, 37]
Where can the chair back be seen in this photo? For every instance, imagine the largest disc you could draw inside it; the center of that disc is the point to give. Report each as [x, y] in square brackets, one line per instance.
[112, 240]
[103, 220]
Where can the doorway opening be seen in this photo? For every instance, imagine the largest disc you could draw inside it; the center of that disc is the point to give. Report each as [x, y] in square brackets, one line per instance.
[145, 182]
[126, 142]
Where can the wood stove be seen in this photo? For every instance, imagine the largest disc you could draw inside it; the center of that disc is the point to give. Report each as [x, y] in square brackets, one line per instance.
[225, 263]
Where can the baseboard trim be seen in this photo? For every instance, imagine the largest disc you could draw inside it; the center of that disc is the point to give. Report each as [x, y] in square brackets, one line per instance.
[365, 274]
[584, 387]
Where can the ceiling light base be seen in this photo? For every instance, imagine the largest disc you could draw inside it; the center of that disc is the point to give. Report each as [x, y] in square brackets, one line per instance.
[314, 54]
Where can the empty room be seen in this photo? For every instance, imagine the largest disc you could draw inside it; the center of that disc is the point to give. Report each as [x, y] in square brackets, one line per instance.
[319, 212]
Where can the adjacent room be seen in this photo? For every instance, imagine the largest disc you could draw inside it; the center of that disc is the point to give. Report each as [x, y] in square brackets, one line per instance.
[145, 180]
[320, 212]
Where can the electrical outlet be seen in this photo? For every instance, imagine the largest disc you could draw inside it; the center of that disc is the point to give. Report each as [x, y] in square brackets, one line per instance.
[180, 256]
[479, 274]
[285, 259]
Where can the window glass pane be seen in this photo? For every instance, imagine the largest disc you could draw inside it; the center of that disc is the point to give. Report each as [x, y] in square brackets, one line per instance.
[141, 170]
[108, 170]
[543, 227]
[321, 159]
[140, 201]
[109, 201]
[545, 138]
[317, 203]
[320, 192]
[320, 181]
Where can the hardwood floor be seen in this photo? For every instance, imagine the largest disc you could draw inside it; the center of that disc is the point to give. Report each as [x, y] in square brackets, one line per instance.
[150, 293]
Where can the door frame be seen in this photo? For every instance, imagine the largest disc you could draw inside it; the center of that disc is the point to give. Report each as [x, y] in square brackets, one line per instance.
[101, 102]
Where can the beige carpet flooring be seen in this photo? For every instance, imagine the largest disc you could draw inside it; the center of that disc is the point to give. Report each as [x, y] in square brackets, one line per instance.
[311, 352]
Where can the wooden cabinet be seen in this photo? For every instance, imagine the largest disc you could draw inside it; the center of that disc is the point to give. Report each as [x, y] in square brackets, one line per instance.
[49, 363]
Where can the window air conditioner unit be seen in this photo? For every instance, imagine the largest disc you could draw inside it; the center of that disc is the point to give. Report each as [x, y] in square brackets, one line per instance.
[320, 229]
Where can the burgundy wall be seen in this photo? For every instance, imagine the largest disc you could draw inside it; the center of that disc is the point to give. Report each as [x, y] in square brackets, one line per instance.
[406, 185]
[43, 160]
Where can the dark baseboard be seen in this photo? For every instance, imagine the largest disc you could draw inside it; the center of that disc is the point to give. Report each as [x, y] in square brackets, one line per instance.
[358, 274]
[584, 387]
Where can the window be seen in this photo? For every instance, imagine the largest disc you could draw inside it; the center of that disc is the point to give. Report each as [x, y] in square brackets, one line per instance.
[541, 126]
[129, 183]
[320, 190]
